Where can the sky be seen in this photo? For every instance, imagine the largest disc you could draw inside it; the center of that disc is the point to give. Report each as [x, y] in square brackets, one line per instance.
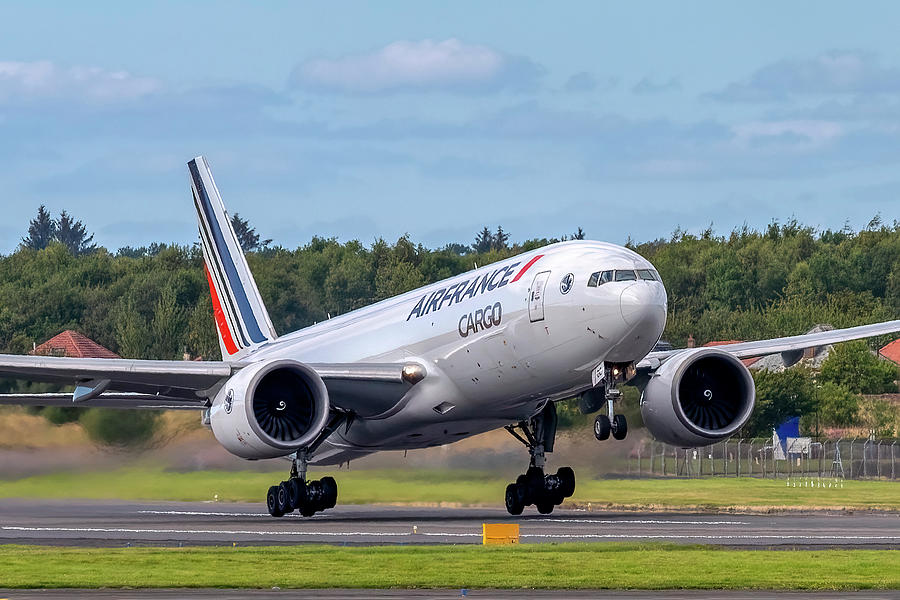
[366, 120]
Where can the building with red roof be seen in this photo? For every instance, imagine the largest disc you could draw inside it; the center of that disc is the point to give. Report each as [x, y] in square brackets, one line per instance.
[73, 345]
[747, 361]
[891, 352]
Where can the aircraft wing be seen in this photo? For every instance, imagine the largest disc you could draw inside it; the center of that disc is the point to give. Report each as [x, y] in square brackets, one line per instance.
[367, 389]
[790, 346]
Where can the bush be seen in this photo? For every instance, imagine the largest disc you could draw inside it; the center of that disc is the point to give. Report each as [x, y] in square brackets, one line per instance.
[60, 415]
[120, 428]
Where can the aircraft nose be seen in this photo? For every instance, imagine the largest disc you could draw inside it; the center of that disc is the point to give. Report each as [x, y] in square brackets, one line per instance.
[644, 303]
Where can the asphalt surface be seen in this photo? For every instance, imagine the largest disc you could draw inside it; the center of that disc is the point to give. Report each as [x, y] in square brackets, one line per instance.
[448, 594]
[118, 523]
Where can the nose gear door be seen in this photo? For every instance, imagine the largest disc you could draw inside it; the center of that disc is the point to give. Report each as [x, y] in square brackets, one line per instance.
[536, 296]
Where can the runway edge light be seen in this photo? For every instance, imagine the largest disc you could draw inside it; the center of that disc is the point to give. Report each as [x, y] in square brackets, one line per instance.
[495, 534]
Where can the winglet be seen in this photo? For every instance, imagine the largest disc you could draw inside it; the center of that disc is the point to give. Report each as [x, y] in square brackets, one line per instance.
[241, 317]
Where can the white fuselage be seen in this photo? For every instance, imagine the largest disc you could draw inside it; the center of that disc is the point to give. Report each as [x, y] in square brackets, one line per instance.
[497, 343]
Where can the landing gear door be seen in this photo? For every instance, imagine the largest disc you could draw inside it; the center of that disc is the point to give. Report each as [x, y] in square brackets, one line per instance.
[536, 296]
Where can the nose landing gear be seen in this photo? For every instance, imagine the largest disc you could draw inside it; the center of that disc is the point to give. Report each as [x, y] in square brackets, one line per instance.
[591, 401]
[534, 487]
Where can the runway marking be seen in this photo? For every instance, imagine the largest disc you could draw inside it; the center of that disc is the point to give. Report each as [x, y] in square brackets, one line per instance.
[195, 513]
[449, 534]
[641, 522]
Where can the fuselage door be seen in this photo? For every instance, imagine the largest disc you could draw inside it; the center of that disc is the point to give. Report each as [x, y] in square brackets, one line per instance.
[536, 296]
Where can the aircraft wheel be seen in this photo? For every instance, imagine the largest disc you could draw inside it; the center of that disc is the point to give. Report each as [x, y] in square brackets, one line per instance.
[283, 497]
[567, 479]
[545, 507]
[330, 490]
[514, 503]
[296, 492]
[602, 427]
[272, 502]
[619, 427]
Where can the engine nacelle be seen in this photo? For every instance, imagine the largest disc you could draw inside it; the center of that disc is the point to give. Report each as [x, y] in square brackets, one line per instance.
[698, 398]
[270, 409]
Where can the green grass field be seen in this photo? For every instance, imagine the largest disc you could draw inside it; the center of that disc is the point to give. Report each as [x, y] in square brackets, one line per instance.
[636, 566]
[459, 487]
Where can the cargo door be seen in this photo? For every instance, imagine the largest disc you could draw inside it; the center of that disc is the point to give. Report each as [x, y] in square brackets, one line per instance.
[536, 296]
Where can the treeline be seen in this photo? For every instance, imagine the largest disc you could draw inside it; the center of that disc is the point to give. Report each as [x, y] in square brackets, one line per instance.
[153, 301]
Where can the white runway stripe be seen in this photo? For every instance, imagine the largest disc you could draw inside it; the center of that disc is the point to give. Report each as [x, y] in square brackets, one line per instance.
[784, 537]
[640, 522]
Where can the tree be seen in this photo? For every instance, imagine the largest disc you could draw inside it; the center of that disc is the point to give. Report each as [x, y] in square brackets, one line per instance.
[41, 230]
[838, 406]
[120, 428]
[501, 239]
[246, 235]
[780, 396]
[578, 235]
[73, 235]
[852, 365]
[484, 241]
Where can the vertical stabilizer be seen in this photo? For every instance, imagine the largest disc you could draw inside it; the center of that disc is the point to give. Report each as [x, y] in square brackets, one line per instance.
[241, 317]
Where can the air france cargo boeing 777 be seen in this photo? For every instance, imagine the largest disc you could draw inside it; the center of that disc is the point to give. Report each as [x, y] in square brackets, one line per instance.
[494, 347]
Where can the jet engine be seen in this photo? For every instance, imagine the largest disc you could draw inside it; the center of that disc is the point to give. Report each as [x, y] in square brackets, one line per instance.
[270, 409]
[698, 398]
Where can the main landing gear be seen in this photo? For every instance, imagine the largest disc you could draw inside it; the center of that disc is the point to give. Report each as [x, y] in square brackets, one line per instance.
[308, 497]
[534, 487]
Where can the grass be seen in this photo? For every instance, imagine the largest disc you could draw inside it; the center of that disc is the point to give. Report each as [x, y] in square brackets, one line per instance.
[455, 486]
[572, 566]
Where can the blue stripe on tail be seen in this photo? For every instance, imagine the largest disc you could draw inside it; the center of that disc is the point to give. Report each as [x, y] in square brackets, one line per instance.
[237, 287]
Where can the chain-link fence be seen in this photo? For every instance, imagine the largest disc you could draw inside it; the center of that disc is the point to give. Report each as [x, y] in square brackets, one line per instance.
[844, 458]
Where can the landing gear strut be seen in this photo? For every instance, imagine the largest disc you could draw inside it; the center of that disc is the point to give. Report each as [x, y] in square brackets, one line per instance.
[534, 487]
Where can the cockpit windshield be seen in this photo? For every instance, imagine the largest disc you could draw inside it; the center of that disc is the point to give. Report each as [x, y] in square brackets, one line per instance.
[601, 277]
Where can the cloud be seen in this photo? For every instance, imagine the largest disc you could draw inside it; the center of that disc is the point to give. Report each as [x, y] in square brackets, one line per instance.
[24, 82]
[833, 72]
[648, 86]
[427, 65]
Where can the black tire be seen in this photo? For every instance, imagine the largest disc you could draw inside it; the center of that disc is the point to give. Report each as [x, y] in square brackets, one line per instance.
[567, 480]
[619, 427]
[514, 503]
[272, 502]
[602, 427]
[296, 492]
[329, 497]
[533, 485]
[283, 498]
[545, 507]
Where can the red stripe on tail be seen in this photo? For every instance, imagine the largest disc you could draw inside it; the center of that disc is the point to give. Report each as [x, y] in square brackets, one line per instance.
[525, 268]
[221, 323]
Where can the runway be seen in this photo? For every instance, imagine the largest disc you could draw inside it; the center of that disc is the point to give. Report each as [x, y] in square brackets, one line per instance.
[118, 523]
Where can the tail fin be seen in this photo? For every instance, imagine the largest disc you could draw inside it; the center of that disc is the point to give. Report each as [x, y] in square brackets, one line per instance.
[241, 317]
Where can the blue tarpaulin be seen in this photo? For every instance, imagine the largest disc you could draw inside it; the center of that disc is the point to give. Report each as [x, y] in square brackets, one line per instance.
[790, 428]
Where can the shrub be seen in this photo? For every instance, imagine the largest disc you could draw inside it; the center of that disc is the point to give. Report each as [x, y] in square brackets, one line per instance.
[120, 428]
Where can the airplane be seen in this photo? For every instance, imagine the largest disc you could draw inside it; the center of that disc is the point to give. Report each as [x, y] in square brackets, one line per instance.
[492, 348]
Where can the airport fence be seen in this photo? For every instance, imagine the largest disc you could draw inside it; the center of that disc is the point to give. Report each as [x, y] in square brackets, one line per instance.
[843, 458]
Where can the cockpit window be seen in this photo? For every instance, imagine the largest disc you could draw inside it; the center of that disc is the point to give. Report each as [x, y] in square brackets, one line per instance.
[601, 277]
[625, 276]
[646, 274]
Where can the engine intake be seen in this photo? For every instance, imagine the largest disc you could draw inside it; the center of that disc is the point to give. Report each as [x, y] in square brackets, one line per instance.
[270, 409]
[698, 397]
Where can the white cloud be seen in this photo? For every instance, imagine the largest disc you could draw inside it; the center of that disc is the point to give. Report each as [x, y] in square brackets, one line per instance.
[449, 65]
[809, 131]
[45, 80]
[833, 72]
